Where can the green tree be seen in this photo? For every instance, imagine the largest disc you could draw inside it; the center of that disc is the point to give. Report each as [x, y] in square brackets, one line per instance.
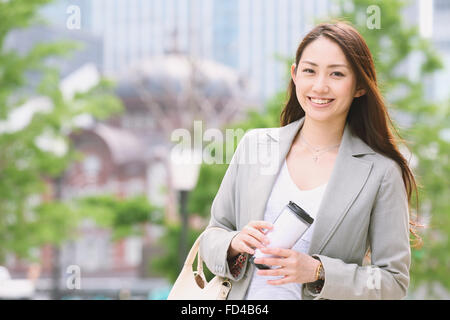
[125, 217]
[26, 221]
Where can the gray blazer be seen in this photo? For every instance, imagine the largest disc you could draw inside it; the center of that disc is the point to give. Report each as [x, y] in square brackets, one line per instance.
[365, 205]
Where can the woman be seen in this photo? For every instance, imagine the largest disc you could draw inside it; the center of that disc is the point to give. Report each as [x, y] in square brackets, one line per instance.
[336, 157]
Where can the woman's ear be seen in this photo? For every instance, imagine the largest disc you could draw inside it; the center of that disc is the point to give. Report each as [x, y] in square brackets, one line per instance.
[293, 71]
[360, 92]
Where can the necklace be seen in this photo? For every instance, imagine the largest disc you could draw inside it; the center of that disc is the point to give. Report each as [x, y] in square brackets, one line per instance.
[317, 151]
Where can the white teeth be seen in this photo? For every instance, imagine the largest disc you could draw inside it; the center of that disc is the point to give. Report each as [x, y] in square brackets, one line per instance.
[320, 101]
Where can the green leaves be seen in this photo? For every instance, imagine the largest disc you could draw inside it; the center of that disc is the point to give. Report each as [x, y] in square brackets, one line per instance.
[35, 119]
[17, 14]
[46, 217]
[123, 216]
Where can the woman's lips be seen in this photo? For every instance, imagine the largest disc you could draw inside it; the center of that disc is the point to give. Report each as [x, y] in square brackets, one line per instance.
[319, 105]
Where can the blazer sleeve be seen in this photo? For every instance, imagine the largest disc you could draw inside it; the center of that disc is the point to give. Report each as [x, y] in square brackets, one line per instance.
[388, 275]
[215, 243]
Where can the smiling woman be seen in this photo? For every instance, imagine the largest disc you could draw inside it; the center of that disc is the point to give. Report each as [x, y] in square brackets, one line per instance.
[337, 158]
[322, 85]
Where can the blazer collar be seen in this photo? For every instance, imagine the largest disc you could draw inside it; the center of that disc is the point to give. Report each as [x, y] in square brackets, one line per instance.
[346, 181]
[350, 143]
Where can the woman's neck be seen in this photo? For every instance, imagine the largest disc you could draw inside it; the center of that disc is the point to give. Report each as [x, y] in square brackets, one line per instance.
[321, 134]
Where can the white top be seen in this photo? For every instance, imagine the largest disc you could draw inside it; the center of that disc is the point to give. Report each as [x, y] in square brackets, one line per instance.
[285, 190]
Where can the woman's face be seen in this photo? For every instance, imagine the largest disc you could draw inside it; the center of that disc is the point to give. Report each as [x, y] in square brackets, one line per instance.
[325, 84]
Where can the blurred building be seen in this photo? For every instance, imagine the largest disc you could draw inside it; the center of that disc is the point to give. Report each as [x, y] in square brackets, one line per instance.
[245, 35]
[177, 89]
[113, 163]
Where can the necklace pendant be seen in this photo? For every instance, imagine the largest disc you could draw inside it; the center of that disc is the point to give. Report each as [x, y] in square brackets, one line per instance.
[315, 158]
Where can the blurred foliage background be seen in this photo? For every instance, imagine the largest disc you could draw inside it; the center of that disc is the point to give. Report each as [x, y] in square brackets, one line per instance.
[25, 167]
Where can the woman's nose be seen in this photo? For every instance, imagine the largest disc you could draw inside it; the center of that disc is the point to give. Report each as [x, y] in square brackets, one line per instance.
[320, 85]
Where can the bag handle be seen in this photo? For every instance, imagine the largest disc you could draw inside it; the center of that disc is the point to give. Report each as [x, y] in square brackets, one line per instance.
[194, 252]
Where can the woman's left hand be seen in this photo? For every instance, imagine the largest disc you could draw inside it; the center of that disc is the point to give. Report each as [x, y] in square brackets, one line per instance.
[294, 267]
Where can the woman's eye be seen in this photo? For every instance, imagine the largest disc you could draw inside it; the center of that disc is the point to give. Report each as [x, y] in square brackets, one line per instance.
[339, 74]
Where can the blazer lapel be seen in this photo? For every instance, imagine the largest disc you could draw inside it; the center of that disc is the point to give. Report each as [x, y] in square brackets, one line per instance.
[263, 177]
[346, 181]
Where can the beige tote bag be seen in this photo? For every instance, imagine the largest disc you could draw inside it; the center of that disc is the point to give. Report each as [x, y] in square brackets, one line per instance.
[192, 285]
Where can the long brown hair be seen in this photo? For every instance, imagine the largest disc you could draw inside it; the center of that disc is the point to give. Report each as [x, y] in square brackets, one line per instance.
[368, 117]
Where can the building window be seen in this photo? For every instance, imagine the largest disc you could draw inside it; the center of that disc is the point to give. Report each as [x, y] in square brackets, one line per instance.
[91, 168]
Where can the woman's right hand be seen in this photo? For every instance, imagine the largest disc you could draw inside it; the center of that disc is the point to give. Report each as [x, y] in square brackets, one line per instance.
[250, 237]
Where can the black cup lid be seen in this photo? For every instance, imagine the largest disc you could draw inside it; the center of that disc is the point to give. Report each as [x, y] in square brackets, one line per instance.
[300, 212]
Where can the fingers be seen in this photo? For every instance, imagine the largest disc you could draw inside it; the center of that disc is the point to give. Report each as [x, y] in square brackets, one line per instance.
[280, 272]
[244, 248]
[271, 261]
[252, 236]
[247, 243]
[252, 242]
[286, 279]
[256, 234]
[277, 252]
[260, 224]
[272, 272]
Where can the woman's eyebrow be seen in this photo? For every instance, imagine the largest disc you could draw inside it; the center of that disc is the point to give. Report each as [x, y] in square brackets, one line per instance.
[329, 66]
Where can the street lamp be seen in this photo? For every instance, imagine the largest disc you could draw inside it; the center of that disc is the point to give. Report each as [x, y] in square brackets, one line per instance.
[184, 170]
